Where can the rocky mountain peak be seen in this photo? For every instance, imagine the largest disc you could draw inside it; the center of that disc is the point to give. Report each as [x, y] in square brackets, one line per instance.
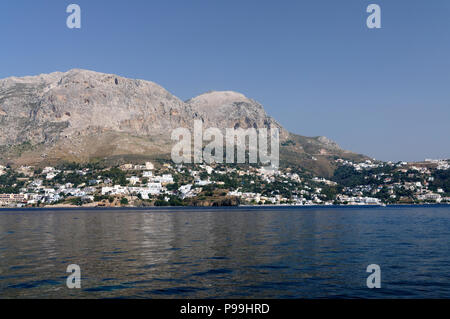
[228, 109]
[327, 142]
[218, 98]
[79, 115]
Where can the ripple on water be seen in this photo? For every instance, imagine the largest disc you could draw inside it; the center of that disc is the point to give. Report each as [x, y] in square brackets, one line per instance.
[35, 284]
[269, 267]
[286, 253]
[106, 288]
[213, 272]
[175, 291]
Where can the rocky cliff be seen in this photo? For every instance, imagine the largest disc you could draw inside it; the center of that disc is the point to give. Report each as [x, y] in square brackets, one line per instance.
[82, 115]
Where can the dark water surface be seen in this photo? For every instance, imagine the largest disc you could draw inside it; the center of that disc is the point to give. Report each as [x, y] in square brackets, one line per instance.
[226, 253]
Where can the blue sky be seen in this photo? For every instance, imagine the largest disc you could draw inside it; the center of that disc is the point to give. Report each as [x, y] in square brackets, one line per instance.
[313, 64]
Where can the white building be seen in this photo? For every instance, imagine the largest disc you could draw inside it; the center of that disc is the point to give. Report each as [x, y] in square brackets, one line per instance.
[202, 183]
[151, 189]
[115, 190]
[133, 180]
[48, 170]
[147, 174]
[51, 175]
[165, 179]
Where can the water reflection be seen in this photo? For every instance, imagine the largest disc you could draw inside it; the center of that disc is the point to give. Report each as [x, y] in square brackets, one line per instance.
[268, 253]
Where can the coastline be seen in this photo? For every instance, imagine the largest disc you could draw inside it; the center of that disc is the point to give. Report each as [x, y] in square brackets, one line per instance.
[202, 208]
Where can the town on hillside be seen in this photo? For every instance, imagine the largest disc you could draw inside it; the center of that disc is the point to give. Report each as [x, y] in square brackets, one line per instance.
[166, 184]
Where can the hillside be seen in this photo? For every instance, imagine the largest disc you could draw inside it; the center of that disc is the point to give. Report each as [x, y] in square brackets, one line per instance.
[83, 116]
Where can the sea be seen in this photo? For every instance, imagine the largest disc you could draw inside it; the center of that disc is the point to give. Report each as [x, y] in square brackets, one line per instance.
[241, 252]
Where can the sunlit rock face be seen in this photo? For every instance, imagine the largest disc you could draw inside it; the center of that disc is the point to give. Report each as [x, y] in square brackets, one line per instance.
[80, 115]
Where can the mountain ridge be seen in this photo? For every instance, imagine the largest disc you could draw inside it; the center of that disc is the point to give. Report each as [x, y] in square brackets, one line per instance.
[83, 115]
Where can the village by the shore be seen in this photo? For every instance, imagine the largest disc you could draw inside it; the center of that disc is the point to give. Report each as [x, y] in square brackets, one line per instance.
[166, 184]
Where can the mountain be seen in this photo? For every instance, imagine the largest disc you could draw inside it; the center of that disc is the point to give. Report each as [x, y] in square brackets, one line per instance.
[83, 116]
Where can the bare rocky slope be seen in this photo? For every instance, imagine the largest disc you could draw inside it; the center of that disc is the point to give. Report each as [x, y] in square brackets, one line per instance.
[85, 116]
